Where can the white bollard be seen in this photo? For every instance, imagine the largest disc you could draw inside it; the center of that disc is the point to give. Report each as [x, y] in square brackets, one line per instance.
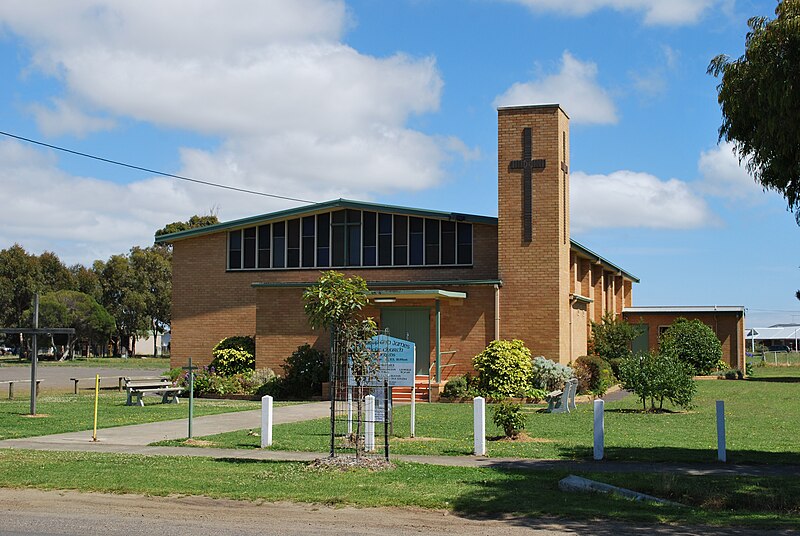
[599, 429]
[479, 425]
[349, 411]
[266, 421]
[722, 454]
[369, 423]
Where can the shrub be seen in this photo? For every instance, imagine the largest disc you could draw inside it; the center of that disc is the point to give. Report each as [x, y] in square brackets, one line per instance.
[601, 377]
[615, 362]
[730, 374]
[658, 378]
[253, 381]
[457, 387]
[536, 394]
[694, 343]
[509, 417]
[274, 387]
[305, 370]
[549, 375]
[612, 337]
[583, 375]
[234, 355]
[176, 374]
[504, 369]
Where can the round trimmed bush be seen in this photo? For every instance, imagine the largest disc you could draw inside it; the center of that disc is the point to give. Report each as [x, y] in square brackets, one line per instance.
[504, 369]
[234, 355]
[693, 343]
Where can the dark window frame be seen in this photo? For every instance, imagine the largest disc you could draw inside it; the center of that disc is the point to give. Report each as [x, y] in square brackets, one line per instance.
[370, 244]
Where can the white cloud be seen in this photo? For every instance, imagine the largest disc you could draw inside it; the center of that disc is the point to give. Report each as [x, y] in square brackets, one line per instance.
[85, 218]
[296, 111]
[723, 176]
[574, 87]
[634, 199]
[656, 12]
[652, 81]
[66, 118]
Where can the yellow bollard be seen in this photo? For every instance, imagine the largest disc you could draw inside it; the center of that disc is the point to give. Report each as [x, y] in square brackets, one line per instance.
[96, 397]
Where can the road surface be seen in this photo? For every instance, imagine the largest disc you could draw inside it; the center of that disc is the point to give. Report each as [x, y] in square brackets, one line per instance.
[60, 513]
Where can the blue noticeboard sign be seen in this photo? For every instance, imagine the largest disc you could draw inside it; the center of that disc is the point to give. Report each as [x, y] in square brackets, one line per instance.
[397, 359]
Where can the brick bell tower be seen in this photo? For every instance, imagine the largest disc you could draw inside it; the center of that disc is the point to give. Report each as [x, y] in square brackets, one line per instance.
[533, 227]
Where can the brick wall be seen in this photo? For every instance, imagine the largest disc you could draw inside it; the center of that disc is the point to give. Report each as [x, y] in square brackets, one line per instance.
[467, 326]
[210, 303]
[727, 325]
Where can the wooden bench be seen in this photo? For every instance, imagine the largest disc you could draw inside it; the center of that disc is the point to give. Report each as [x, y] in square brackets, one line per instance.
[151, 386]
[11, 386]
[120, 380]
[562, 401]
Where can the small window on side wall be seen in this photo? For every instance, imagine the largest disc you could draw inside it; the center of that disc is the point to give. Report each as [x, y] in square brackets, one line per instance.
[235, 250]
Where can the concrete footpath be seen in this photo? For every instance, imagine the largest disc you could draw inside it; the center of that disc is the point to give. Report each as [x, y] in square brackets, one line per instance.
[136, 438]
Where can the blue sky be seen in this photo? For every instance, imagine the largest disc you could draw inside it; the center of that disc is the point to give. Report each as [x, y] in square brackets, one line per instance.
[395, 102]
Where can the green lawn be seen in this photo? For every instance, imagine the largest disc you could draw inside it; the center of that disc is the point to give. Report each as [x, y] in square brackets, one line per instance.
[72, 413]
[134, 363]
[761, 413]
[736, 501]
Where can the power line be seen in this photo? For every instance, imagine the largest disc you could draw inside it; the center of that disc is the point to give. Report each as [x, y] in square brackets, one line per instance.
[153, 171]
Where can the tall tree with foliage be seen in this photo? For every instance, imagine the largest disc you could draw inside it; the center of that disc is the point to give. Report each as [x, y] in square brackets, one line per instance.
[759, 95]
[123, 297]
[73, 309]
[87, 281]
[152, 269]
[193, 223]
[335, 303]
[20, 279]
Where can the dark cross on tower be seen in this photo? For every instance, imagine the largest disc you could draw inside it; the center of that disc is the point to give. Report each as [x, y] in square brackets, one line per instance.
[527, 165]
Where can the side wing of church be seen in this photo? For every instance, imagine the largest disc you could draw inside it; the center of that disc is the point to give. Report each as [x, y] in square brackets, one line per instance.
[450, 282]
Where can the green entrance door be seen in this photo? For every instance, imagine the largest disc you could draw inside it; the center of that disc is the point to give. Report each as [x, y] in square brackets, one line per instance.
[411, 324]
[641, 343]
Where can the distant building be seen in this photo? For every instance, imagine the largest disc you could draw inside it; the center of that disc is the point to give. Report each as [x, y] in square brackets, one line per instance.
[776, 335]
[144, 345]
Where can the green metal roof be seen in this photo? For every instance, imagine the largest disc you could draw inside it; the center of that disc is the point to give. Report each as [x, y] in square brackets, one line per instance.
[361, 205]
[592, 255]
[324, 207]
[388, 284]
[418, 293]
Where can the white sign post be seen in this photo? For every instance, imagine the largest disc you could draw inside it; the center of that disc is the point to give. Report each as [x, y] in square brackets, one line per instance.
[414, 396]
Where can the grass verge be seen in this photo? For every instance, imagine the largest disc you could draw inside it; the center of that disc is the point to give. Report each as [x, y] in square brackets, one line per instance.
[73, 413]
[466, 491]
[760, 417]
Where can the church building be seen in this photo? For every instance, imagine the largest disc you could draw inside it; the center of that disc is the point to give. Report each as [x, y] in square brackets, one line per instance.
[450, 282]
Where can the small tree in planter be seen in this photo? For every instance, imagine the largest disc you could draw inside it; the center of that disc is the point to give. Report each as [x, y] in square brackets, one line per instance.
[335, 303]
